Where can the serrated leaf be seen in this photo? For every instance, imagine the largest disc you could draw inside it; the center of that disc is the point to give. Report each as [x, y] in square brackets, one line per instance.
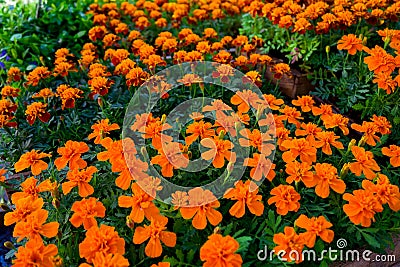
[371, 240]
[190, 255]
[244, 242]
[180, 255]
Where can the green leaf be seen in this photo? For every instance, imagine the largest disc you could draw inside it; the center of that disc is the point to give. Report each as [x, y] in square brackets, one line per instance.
[15, 37]
[180, 255]
[30, 67]
[370, 239]
[244, 242]
[80, 34]
[358, 106]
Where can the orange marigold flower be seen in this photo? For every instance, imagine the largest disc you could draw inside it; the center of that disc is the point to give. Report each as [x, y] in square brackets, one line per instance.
[310, 131]
[9, 91]
[257, 140]
[2, 177]
[261, 166]
[170, 157]
[324, 111]
[35, 253]
[23, 208]
[379, 60]
[32, 159]
[244, 99]
[103, 239]
[36, 75]
[285, 198]
[365, 163]
[300, 171]
[393, 152]
[201, 207]
[81, 179]
[362, 207]
[325, 139]
[189, 79]
[101, 129]
[198, 129]
[136, 76]
[99, 86]
[44, 93]
[14, 74]
[97, 32]
[385, 192]
[305, 102]
[156, 231]
[85, 212]
[291, 114]
[114, 153]
[68, 95]
[299, 147]
[273, 102]
[350, 43]
[336, 120]
[6, 121]
[245, 196]
[31, 188]
[219, 151]
[369, 129]
[315, 227]
[252, 77]
[154, 60]
[220, 250]
[326, 178]
[289, 242]
[302, 25]
[110, 260]
[7, 107]
[37, 110]
[382, 124]
[209, 33]
[34, 226]
[223, 57]
[280, 69]
[71, 155]
[161, 264]
[141, 203]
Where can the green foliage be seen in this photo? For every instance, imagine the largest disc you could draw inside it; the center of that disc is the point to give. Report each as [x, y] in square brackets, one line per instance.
[30, 40]
[297, 48]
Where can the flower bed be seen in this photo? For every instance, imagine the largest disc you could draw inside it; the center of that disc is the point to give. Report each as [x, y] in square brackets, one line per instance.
[162, 143]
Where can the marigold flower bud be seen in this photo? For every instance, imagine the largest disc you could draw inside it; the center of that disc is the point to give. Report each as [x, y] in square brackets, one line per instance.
[327, 49]
[56, 203]
[189, 153]
[58, 261]
[221, 134]
[362, 141]
[129, 222]
[9, 245]
[100, 102]
[163, 118]
[230, 167]
[345, 170]
[351, 144]
[217, 230]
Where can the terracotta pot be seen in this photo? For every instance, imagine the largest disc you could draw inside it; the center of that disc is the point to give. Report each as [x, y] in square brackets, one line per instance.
[293, 85]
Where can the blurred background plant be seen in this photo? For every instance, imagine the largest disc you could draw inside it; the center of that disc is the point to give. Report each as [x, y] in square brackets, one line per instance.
[31, 31]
